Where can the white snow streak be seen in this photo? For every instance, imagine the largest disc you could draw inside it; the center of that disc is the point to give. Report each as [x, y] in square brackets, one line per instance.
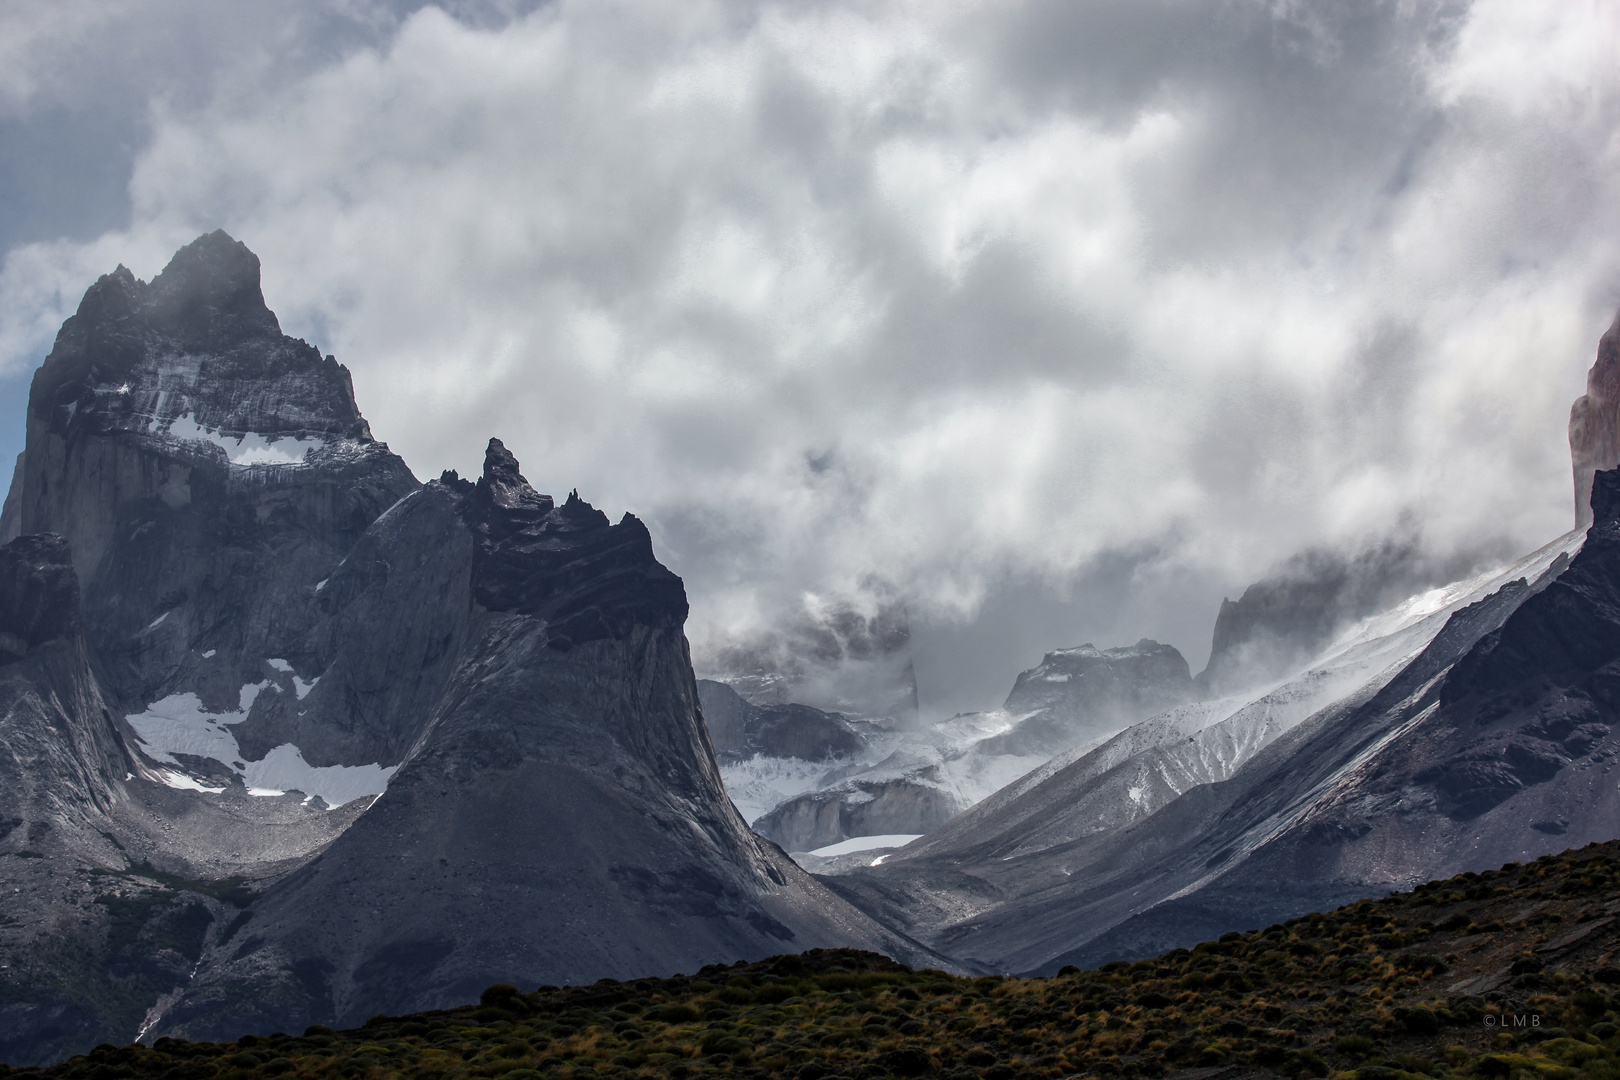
[866, 843]
[248, 448]
[178, 724]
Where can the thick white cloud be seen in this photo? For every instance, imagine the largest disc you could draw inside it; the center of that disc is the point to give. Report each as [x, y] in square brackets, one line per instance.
[946, 295]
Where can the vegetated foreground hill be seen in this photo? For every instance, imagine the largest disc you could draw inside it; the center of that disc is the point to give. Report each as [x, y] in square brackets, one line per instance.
[1508, 973]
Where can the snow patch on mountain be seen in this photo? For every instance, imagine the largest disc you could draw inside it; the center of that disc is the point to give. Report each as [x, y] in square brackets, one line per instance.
[865, 843]
[180, 725]
[758, 784]
[249, 447]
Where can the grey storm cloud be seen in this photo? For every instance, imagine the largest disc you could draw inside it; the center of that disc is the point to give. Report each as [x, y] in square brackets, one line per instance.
[1058, 320]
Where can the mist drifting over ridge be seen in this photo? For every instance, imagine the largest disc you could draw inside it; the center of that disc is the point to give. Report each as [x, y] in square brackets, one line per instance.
[1060, 323]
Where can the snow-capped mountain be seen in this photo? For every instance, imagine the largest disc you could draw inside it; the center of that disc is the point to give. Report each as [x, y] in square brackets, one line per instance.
[293, 738]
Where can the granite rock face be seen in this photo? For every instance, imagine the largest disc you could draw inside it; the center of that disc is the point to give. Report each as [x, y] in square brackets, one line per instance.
[562, 774]
[1085, 693]
[298, 739]
[39, 595]
[1594, 422]
[741, 730]
[860, 807]
[1298, 609]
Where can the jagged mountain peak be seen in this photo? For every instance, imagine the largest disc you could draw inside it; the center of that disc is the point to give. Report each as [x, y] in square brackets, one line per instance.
[503, 485]
[158, 397]
[588, 578]
[297, 665]
[195, 356]
[209, 295]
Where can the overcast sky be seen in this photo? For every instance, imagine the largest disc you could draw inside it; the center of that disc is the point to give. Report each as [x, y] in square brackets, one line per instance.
[1061, 319]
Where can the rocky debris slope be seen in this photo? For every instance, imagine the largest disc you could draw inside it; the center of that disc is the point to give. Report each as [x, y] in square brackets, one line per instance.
[1405, 767]
[294, 738]
[1505, 972]
[1594, 422]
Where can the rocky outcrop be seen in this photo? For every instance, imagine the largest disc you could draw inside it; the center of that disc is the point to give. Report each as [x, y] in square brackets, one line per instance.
[1289, 616]
[1084, 693]
[741, 730]
[1594, 422]
[355, 743]
[858, 808]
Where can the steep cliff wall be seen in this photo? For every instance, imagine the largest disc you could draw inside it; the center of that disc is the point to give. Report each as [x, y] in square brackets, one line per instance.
[1594, 422]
